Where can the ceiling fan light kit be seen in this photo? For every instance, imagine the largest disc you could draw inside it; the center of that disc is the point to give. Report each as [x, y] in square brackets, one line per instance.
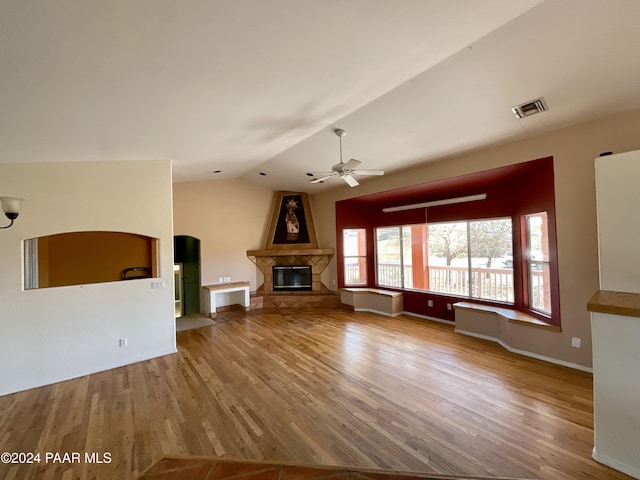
[346, 171]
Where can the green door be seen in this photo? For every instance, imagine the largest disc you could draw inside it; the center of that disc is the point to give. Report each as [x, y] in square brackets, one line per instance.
[186, 250]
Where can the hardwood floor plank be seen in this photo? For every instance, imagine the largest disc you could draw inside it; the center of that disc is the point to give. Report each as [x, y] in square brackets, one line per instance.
[333, 388]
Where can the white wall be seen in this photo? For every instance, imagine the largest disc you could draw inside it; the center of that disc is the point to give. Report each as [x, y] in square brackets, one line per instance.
[616, 392]
[59, 333]
[616, 338]
[618, 204]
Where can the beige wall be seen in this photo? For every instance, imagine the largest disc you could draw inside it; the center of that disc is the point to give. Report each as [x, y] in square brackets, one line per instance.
[228, 217]
[574, 150]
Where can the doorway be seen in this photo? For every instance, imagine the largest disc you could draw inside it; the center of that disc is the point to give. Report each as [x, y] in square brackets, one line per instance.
[186, 257]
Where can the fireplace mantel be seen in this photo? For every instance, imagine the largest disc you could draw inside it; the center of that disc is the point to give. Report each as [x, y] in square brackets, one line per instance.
[289, 252]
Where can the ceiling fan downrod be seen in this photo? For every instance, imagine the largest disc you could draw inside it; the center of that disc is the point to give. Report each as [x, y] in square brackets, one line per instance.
[340, 133]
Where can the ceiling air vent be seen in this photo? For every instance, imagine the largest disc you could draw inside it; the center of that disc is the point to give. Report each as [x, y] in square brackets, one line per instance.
[529, 108]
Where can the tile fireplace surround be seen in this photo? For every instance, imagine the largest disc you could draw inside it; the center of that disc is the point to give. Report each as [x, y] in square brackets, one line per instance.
[317, 258]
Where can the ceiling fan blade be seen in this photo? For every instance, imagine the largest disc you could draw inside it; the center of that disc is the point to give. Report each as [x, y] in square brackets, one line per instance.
[368, 172]
[351, 164]
[318, 180]
[350, 180]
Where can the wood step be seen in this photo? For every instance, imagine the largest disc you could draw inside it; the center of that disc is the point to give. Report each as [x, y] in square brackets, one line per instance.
[203, 468]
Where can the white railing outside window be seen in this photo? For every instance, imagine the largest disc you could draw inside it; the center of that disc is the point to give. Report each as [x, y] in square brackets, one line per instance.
[489, 283]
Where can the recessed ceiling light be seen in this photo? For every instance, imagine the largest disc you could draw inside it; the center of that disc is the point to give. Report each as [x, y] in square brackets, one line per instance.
[217, 171]
[263, 174]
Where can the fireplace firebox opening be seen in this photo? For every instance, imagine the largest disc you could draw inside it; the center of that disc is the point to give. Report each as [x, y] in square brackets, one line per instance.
[292, 278]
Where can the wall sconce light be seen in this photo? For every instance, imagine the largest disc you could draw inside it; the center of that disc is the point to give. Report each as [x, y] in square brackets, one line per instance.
[11, 208]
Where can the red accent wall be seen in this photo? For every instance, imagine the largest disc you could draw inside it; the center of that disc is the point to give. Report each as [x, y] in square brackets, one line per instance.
[512, 191]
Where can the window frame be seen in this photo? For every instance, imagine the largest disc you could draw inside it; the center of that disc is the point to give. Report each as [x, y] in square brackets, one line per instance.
[362, 259]
[469, 267]
[471, 294]
[400, 254]
[529, 262]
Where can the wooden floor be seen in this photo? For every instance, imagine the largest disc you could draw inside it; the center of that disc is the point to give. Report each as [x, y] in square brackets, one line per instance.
[349, 389]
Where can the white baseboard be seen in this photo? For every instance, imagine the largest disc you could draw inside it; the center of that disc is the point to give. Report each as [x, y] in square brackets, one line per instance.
[426, 317]
[615, 464]
[527, 353]
[386, 314]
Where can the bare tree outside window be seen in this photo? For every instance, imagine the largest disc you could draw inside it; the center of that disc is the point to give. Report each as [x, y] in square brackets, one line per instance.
[448, 241]
[492, 239]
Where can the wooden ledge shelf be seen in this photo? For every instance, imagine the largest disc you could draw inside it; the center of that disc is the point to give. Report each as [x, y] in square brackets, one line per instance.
[226, 286]
[615, 303]
[512, 316]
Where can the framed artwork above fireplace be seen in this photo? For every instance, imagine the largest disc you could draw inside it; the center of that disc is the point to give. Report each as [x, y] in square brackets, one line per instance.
[291, 224]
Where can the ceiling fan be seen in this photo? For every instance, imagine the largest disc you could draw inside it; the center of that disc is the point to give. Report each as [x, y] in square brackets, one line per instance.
[346, 171]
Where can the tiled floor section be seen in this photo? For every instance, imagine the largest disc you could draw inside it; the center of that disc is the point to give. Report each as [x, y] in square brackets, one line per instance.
[213, 469]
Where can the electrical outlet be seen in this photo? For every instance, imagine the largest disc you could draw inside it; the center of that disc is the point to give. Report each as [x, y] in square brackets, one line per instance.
[576, 342]
[429, 303]
[123, 342]
[448, 306]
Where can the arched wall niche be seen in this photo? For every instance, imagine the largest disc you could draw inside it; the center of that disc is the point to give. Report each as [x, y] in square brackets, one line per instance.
[79, 258]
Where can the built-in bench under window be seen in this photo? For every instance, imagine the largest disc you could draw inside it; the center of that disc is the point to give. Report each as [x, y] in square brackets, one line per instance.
[384, 302]
[508, 314]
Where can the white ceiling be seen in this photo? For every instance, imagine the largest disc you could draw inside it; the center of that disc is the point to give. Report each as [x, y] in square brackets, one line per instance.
[250, 86]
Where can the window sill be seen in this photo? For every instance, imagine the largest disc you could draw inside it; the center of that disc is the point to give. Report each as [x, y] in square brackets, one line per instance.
[512, 316]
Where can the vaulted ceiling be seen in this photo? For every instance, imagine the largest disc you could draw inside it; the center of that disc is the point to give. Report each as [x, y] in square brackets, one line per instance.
[253, 87]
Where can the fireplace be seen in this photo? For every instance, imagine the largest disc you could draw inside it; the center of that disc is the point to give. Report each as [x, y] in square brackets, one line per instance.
[292, 278]
[291, 264]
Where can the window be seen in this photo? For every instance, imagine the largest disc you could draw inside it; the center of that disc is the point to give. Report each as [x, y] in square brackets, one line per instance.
[500, 251]
[354, 244]
[389, 259]
[393, 249]
[537, 256]
[471, 258]
[448, 261]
